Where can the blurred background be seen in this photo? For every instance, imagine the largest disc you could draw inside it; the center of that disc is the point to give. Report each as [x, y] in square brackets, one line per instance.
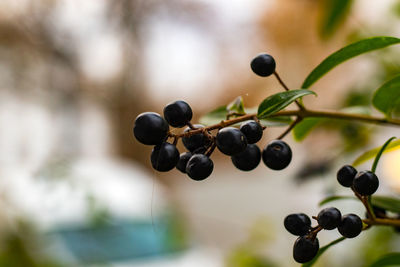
[76, 189]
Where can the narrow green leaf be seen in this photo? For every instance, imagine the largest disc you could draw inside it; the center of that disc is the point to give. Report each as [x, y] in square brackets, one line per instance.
[387, 203]
[279, 101]
[236, 106]
[379, 154]
[391, 259]
[302, 129]
[214, 117]
[334, 198]
[346, 53]
[335, 12]
[321, 251]
[373, 152]
[386, 98]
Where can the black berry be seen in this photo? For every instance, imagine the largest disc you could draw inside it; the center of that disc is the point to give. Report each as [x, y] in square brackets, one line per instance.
[297, 224]
[329, 218]
[366, 183]
[263, 65]
[305, 249]
[231, 141]
[199, 167]
[252, 130]
[248, 159]
[345, 175]
[182, 162]
[277, 155]
[195, 141]
[164, 157]
[178, 113]
[150, 128]
[350, 226]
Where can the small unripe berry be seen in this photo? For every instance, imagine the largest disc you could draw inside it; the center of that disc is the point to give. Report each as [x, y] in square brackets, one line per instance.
[277, 155]
[263, 65]
[305, 249]
[350, 226]
[164, 157]
[231, 141]
[182, 162]
[178, 113]
[195, 141]
[366, 183]
[199, 167]
[345, 175]
[248, 159]
[329, 218]
[252, 130]
[150, 128]
[297, 224]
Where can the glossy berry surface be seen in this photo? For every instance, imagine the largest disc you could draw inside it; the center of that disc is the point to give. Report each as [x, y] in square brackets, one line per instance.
[182, 162]
[199, 167]
[329, 218]
[164, 157]
[345, 175]
[150, 128]
[263, 65]
[305, 249]
[195, 141]
[231, 141]
[178, 113]
[248, 159]
[277, 155]
[366, 183]
[297, 223]
[350, 226]
[252, 130]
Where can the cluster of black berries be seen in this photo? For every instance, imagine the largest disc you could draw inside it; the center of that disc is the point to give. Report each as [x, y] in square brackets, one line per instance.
[151, 129]
[364, 183]
[306, 246]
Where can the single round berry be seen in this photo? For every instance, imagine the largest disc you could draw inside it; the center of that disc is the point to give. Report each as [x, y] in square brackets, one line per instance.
[350, 226]
[329, 218]
[178, 113]
[150, 128]
[199, 167]
[231, 141]
[366, 183]
[277, 155]
[252, 130]
[248, 159]
[345, 175]
[182, 162]
[195, 141]
[305, 249]
[263, 65]
[297, 224]
[164, 157]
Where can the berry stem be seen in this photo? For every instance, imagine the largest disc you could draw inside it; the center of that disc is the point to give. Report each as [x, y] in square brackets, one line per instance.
[365, 201]
[291, 126]
[287, 89]
[382, 221]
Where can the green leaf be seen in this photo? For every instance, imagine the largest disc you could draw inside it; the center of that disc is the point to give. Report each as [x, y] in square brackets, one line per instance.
[335, 12]
[279, 101]
[302, 129]
[380, 152]
[334, 198]
[214, 117]
[391, 259]
[386, 98]
[322, 250]
[236, 105]
[346, 53]
[387, 203]
[373, 152]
